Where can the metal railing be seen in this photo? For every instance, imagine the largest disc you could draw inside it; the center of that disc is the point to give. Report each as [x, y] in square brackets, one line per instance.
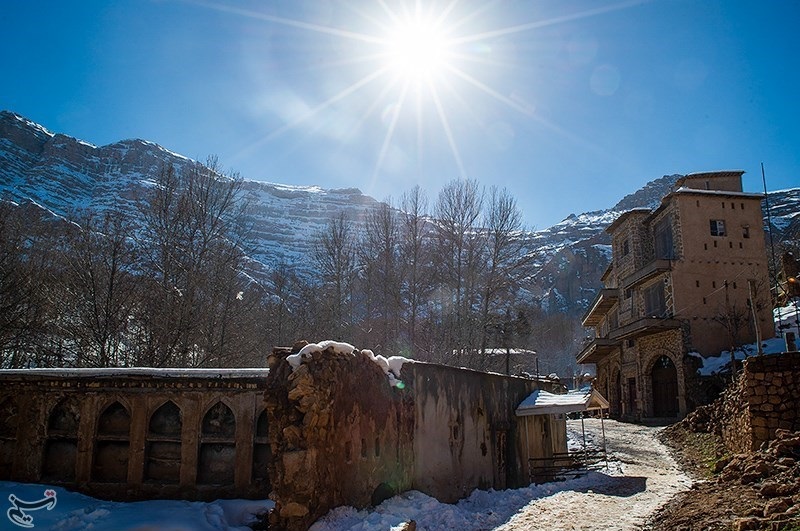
[566, 465]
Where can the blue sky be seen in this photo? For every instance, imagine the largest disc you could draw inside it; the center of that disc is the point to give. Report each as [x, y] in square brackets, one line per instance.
[568, 104]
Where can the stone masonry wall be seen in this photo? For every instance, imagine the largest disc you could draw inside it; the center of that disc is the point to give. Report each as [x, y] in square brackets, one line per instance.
[764, 398]
[772, 393]
[342, 435]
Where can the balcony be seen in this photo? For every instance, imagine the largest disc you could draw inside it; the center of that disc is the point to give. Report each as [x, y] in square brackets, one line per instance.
[604, 301]
[644, 327]
[598, 349]
[648, 271]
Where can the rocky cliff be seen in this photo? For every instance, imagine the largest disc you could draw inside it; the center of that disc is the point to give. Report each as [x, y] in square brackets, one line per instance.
[63, 174]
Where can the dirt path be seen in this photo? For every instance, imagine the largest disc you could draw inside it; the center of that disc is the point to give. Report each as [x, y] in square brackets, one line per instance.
[641, 478]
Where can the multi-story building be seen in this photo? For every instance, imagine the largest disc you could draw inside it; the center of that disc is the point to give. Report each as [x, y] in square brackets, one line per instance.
[690, 275]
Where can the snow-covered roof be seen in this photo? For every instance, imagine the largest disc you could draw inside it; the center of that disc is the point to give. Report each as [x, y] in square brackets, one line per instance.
[112, 372]
[541, 402]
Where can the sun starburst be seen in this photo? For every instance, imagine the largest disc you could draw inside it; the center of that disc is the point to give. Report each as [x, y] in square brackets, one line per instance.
[415, 62]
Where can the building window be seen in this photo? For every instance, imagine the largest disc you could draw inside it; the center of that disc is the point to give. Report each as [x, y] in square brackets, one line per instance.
[663, 239]
[697, 283]
[746, 231]
[717, 227]
[626, 248]
[654, 301]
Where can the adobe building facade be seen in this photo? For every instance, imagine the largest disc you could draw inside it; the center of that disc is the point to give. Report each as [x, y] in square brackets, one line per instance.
[691, 275]
[135, 433]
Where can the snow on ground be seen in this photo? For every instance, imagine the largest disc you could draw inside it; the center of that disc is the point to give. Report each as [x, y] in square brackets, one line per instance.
[786, 318]
[640, 477]
[73, 512]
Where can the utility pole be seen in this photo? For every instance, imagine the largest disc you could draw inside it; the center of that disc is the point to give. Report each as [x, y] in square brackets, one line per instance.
[751, 287]
[773, 271]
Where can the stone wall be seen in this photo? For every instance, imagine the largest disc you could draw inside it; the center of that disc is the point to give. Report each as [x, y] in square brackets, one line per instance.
[763, 399]
[342, 435]
[128, 434]
[772, 392]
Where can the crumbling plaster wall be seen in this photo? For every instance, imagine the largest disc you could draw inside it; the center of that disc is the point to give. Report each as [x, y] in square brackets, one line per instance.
[466, 435]
[341, 435]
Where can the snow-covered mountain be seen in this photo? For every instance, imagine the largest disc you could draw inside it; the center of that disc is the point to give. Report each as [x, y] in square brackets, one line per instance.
[61, 174]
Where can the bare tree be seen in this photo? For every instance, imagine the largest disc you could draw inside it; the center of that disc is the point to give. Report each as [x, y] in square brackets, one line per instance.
[334, 256]
[193, 245]
[416, 261]
[505, 259]
[99, 289]
[24, 282]
[458, 253]
[379, 258]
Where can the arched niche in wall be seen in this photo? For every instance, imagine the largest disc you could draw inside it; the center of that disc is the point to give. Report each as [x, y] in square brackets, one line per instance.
[162, 462]
[61, 443]
[261, 452]
[9, 421]
[217, 457]
[111, 447]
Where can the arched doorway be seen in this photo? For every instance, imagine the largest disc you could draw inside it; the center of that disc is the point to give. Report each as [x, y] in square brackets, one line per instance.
[665, 388]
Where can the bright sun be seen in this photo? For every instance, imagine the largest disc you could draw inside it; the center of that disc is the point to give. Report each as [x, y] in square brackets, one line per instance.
[417, 49]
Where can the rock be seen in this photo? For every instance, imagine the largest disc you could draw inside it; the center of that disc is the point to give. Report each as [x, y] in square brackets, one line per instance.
[744, 524]
[721, 464]
[293, 436]
[776, 506]
[411, 525]
[293, 510]
[293, 464]
[770, 489]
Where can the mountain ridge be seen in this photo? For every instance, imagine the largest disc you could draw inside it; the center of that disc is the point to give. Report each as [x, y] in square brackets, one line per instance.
[64, 174]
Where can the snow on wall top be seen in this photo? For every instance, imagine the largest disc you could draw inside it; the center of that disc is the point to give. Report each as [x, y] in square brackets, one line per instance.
[391, 366]
[116, 372]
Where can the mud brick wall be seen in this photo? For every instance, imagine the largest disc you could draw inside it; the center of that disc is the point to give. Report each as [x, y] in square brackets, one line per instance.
[341, 435]
[466, 434]
[128, 434]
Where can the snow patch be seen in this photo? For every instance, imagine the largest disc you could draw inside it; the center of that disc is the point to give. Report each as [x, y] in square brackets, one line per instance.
[390, 366]
[74, 511]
